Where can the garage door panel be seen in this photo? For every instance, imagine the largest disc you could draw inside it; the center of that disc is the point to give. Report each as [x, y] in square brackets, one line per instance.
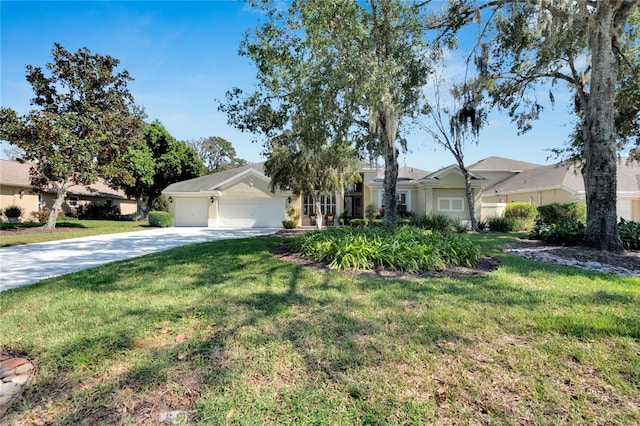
[192, 211]
[267, 213]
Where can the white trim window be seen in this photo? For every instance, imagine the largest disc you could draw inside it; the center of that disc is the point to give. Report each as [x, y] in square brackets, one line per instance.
[451, 204]
[72, 201]
[327, 205]
[403, 203]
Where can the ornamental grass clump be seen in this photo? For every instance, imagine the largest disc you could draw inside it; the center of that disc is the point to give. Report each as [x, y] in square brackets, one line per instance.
[407, 248]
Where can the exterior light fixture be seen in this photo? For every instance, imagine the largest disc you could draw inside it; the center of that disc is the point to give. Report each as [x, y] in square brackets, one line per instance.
[212, 199]
[21, 193]
[170, 199]
[289, 200]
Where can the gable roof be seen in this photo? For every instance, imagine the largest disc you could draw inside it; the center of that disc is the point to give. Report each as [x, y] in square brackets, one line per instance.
[451, 168]
[495, 164]
[214, 181]
[405, 174]
[15, 173]
[567, 177]
[554, 176]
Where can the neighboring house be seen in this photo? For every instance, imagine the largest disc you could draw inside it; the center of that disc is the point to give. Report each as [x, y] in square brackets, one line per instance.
[241, 197]
[564, 184]
[16, 189]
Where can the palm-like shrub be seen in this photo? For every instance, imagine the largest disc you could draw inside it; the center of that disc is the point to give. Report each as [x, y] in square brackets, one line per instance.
[407, 248]
[629, 232]
[14, 211]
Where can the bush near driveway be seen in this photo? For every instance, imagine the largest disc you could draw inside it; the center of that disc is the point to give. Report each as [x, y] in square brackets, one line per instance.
[160, 219]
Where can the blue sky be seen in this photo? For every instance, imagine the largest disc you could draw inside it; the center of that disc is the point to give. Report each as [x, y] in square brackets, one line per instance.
[183, 56]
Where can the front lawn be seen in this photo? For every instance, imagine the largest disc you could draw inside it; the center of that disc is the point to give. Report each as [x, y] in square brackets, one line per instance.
[27, 233]
[231, 335]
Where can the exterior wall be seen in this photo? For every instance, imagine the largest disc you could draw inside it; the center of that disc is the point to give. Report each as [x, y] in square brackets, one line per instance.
[10, 196]
[539, 198]
[250, 187]
[489, 210]
[457, 193]
[635, 210]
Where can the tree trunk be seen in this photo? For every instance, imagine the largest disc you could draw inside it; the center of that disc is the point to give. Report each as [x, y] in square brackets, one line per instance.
[390, 182]
[61, 193]
[318, 208]
[469, 195]
[599, 171]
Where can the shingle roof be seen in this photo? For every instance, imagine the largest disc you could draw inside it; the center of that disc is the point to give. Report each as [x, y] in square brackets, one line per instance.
[212, 181]
[405, 174]
[14, 173]
[569, 177]
[445, 170]
[500, 163]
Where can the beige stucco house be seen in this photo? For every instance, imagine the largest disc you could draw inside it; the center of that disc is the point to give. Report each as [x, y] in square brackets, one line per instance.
[16, 189]
[241, 197]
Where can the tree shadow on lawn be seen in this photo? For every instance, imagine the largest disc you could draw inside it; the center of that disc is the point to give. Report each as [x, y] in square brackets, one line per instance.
[289, 304]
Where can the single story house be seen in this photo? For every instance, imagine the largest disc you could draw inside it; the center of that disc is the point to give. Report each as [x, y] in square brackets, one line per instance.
[241, 197]
[562, 184]
[16, 189]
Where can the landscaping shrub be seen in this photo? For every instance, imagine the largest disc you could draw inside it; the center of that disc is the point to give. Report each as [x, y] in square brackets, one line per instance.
[629, 232]
[95, 211]
[524, 215]
[566, 233]
[14, 211]
[370, 212]
[556, 212]
[358, 223]
[289, 223]
[160, 219]
[407, 248]
[501, 224]
[435, 222]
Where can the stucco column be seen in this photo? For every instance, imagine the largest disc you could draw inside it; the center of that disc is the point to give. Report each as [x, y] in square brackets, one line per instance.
[428, 200]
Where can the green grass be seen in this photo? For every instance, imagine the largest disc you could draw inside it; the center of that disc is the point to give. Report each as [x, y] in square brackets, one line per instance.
[66, 228]
[232, 335]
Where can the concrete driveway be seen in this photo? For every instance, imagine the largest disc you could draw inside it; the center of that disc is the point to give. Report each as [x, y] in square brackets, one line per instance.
[30, 263]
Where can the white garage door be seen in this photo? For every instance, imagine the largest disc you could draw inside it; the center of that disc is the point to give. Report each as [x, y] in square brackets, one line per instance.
[267, 213]
[192, 211]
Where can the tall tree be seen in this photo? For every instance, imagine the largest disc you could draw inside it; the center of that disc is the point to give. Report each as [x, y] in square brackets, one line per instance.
[523, 42]
[161, 161]
[453, 125]
[217, 154]
[342, 70]
[84, 124]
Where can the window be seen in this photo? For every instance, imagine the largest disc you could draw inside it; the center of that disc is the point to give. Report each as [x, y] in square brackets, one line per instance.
[72, 201]
[402, 202]
[40, 205]
[327, 205]
[451, 204]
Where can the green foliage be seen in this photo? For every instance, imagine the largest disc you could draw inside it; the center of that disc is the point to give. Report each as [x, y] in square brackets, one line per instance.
[370, 212]
[162, 160]
[84, 122]
[521, 210]
[217, 154]
[14, 211]
[566, 233]
[289, 224]
[435, 222]
[501, 224]
[556, 212]
[160, 219]
[97, 211]
[407, 248]
[629, 232]
[359, 223]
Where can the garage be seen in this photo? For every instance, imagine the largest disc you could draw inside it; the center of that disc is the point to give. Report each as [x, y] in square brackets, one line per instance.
[252, 213]
[191, 211]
